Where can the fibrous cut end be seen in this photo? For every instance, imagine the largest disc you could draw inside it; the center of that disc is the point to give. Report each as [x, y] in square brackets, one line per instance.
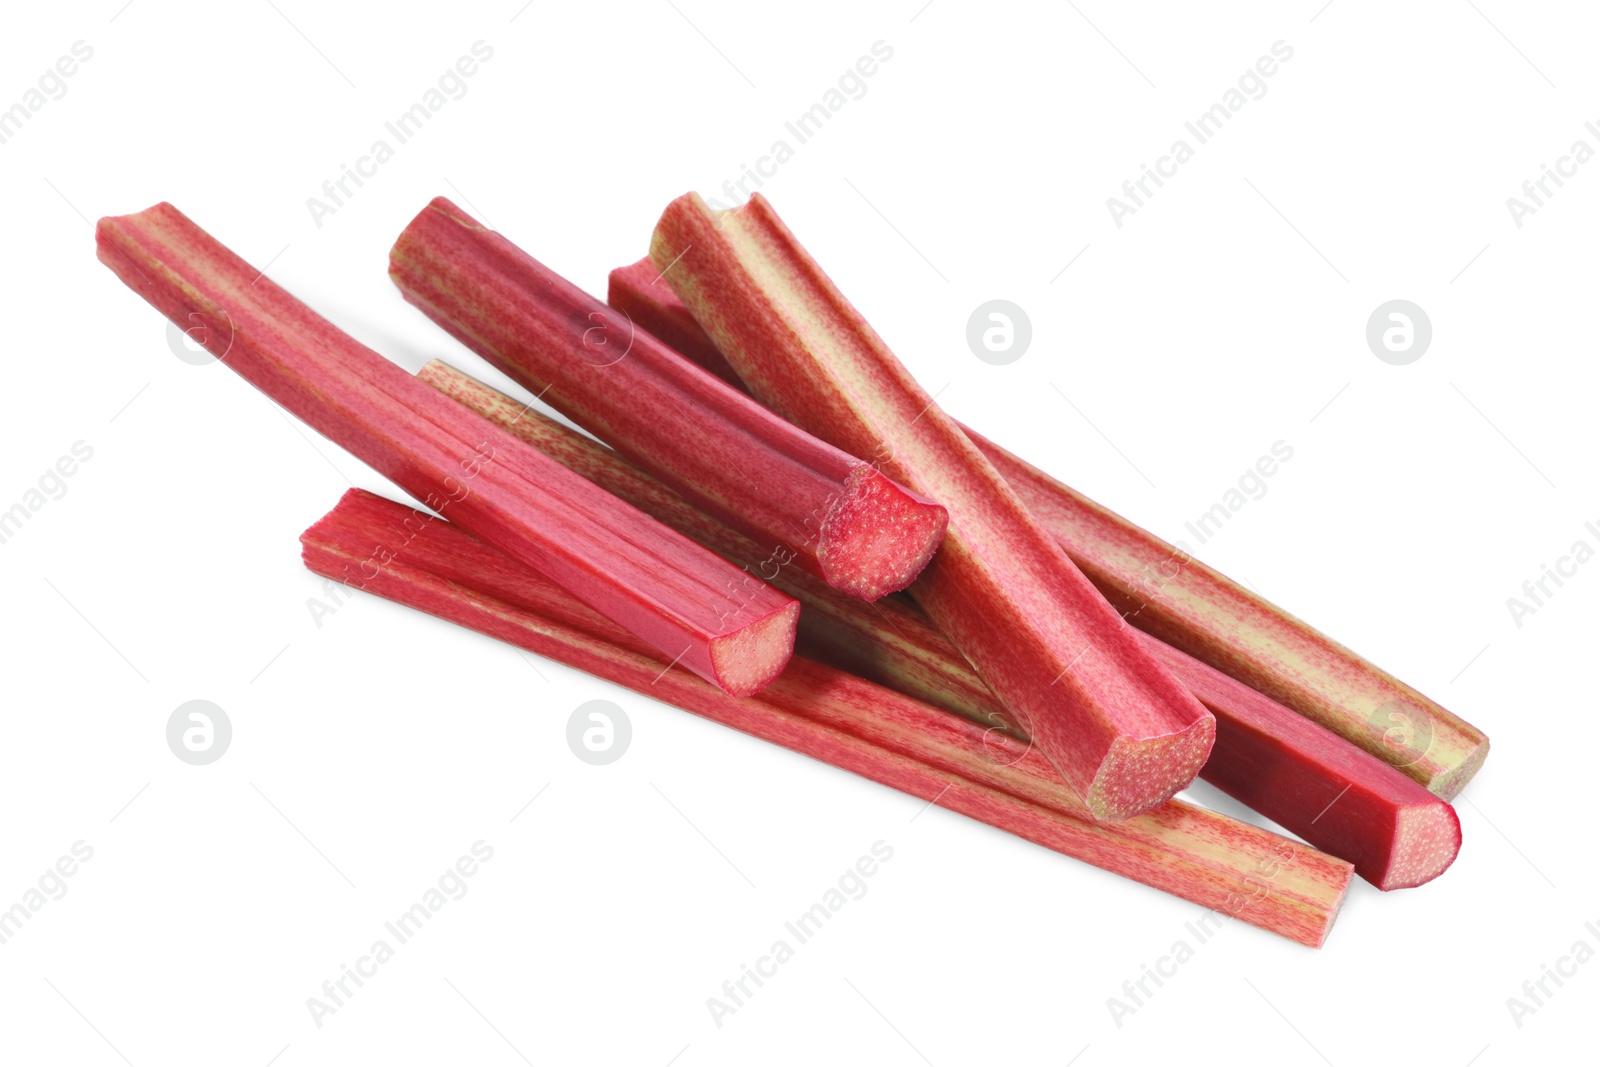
[1449, 784]
[746, 660]
[1325, 921]
[878, 537]
[1138, 773]
[1426, 840]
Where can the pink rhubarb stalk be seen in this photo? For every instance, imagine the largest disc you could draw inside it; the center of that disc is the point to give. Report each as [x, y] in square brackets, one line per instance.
[1313, 783]
[844, 520]
[836, 626]
[822, 712]
[642, 575]
[640, 292]
[1163, 590]
[1317, 785]
[1166, 592]
[1067, 668]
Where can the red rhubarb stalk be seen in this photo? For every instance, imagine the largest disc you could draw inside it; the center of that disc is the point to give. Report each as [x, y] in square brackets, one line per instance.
[637, 572]
[1066, 667]
[836, 626]
[1164, 591]
[640, 292]
[829, 715]
[1316, 784]
[844, 520]
[1309, 781]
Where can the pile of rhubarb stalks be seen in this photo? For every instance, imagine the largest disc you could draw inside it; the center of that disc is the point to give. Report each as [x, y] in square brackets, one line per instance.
[759, 470]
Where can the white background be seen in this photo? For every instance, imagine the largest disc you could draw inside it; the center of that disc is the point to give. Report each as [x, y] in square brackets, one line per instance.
[371, 751]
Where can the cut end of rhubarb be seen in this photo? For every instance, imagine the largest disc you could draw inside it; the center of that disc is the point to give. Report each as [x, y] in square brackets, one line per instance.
[1326, 919]
[1426, 840]
[1449, 784]
[749, 658]
[877, 539]
[1141, 772]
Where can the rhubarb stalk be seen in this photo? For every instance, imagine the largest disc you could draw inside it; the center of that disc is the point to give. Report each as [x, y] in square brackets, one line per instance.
[829, 715]
[1316, 784]
[845, 630]
[635, 571]
[1313, 783]
[1164, 591]
[1067, 668]
[640, 292]
[842, 518]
